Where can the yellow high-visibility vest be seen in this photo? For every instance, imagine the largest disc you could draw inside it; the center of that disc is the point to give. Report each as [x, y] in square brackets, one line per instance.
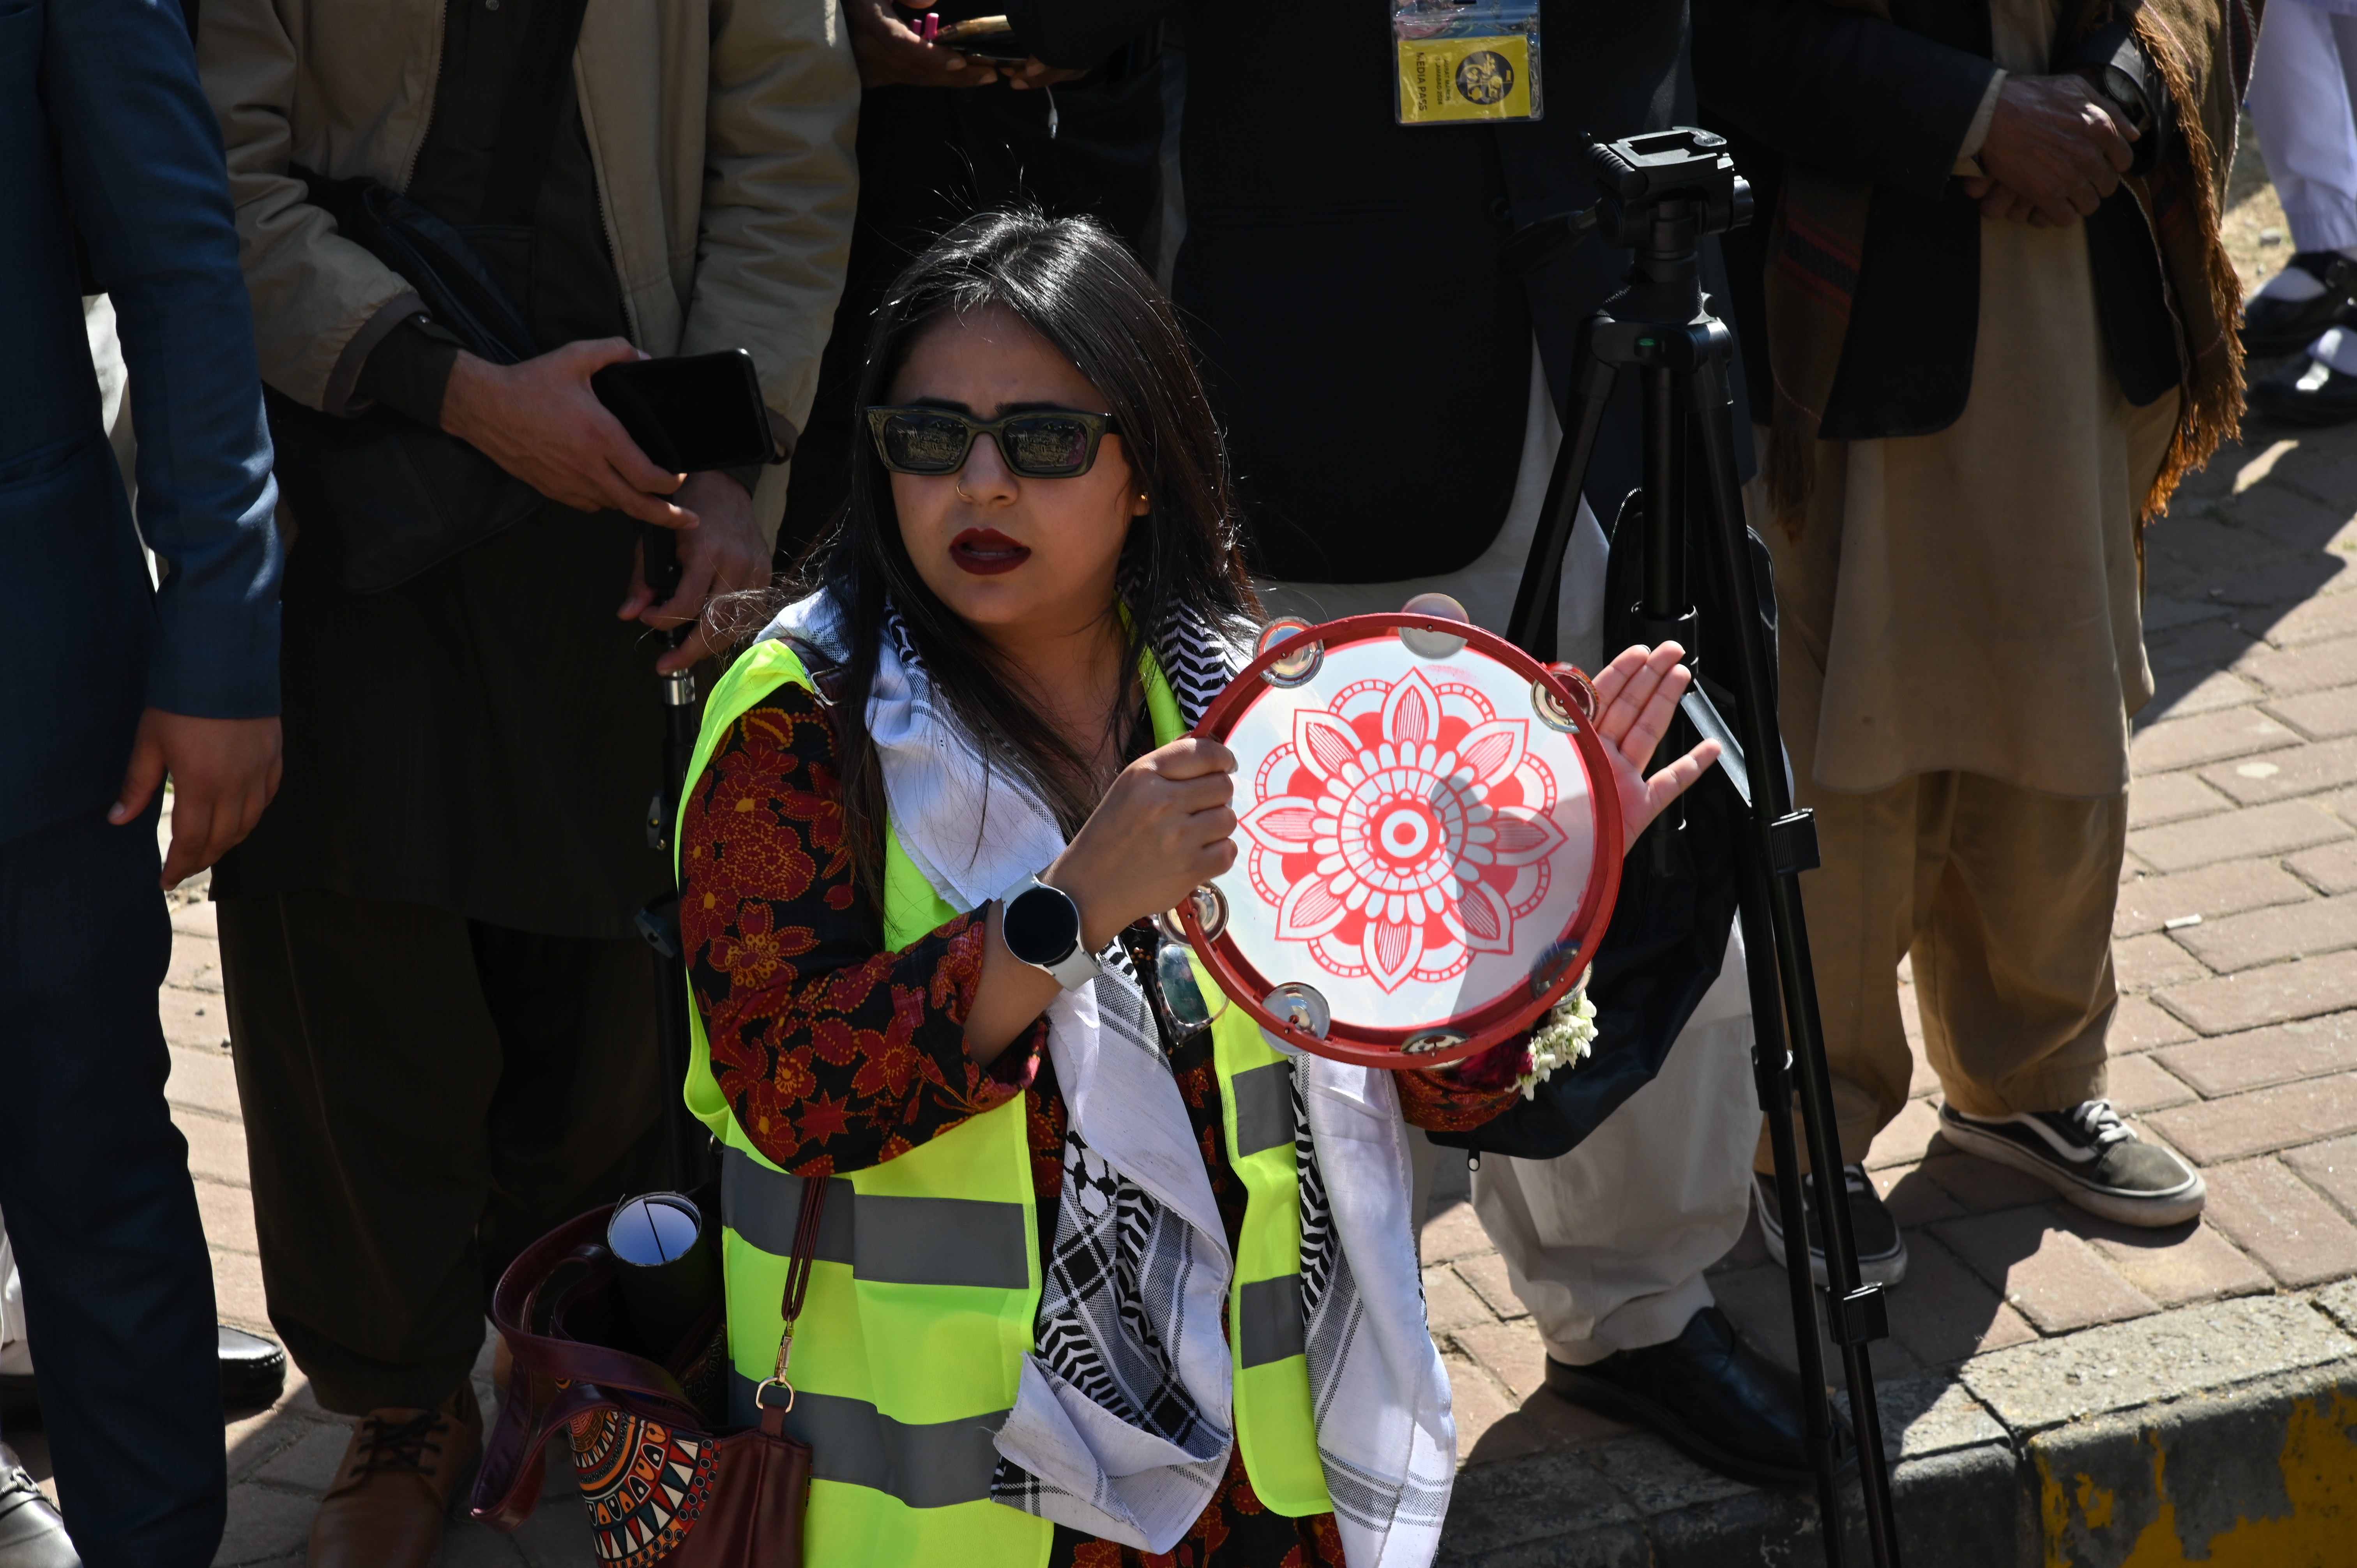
[926, 1285]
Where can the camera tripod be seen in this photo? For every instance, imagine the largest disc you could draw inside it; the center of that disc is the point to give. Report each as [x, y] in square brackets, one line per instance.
[1663, 193]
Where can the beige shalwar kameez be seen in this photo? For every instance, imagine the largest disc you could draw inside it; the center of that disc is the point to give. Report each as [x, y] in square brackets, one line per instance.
[1962, 648]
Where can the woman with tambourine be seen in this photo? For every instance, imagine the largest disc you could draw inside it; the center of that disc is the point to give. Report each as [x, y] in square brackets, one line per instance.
[1096, 1277]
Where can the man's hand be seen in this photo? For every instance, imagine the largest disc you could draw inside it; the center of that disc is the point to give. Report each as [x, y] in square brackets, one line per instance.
[890, 52]
[1038, 73]
[724, 555]
[2055, 150]
[541, 421]
[224, 771]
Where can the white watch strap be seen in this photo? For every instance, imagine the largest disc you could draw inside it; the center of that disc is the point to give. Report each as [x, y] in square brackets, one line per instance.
[1080, 966]
[1076, 968]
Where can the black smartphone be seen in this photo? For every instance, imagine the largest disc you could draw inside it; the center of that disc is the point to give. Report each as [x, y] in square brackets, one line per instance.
[688, 414]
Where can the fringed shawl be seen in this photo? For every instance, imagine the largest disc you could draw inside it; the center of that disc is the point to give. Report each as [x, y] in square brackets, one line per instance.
[1817, 246]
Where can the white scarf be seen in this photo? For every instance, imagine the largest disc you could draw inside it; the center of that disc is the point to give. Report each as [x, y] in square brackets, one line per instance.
[1077, 1448]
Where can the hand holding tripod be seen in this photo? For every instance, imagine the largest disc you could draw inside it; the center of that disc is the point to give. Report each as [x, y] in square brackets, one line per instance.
[1663, 193]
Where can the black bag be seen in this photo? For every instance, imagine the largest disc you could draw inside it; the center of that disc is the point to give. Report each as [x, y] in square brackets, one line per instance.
[1668, 936]
[381, 498]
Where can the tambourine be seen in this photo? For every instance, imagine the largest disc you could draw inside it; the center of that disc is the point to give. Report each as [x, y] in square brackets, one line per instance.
[1428, 839]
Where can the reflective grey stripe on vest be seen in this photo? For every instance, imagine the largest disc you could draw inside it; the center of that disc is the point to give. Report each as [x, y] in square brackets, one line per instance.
[851, 1442]
[893, 1240]
[1270, 1312]
[1264, 1108]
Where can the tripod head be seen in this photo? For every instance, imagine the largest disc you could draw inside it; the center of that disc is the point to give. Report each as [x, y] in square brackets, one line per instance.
[1661, 193]
[1665, 191]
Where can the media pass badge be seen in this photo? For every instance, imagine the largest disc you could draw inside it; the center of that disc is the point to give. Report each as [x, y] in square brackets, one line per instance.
[1460, 62]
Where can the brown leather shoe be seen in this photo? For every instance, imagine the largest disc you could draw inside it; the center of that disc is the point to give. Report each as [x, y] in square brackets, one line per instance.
[395, 1488]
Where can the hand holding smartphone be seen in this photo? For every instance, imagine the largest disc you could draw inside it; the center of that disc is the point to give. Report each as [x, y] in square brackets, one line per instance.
[688, 414]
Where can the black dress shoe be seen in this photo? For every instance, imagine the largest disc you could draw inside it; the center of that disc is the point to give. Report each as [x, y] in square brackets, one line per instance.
[31, 1533]
[253, 1373]
[2305, 391]
[2273, 328]
[253, 1369]
[1713, 1397]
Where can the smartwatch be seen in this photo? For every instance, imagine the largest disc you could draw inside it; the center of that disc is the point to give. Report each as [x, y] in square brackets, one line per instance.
[1042, 926]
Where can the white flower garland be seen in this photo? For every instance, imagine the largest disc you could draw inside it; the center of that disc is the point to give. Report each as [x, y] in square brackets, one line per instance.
[1562, 1041]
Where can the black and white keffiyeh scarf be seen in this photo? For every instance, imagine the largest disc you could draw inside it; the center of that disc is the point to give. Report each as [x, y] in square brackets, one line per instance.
[1124, 1419]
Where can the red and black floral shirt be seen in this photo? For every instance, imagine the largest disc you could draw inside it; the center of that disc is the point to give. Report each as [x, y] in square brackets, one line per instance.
[837, 1054]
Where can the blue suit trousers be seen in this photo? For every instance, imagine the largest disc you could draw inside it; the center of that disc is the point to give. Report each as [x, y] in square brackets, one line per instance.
[94, 1185]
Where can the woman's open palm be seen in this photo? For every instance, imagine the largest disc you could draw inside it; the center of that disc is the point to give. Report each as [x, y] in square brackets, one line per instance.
[1635, 696]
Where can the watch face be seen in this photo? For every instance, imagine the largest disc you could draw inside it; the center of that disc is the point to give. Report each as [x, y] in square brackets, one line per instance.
[1042, 926]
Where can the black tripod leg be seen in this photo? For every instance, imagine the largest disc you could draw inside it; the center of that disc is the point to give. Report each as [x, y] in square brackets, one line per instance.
[1856, 1313]
[1771, 1064]
[1532, 627]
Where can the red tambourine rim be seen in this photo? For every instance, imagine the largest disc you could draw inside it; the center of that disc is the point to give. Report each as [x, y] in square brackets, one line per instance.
[1501, 1018]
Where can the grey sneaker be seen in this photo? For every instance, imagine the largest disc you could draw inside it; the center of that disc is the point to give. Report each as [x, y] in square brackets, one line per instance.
[2090, 1156]
[1881, 1249]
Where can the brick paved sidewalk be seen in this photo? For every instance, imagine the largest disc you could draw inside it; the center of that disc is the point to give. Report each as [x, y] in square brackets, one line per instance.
[2236, 1046]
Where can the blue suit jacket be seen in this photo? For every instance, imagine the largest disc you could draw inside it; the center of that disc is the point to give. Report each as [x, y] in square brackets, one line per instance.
[105, 132]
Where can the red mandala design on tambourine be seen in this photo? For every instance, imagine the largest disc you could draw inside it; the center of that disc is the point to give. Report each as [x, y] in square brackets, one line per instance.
[1404, 829]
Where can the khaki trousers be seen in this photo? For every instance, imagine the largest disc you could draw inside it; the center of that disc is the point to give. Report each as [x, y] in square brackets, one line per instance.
[2003, 896]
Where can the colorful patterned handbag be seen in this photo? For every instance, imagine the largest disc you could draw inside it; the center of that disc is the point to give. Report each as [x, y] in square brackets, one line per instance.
[665, 1482]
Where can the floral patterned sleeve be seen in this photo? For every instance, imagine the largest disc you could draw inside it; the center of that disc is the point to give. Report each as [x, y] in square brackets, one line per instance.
[1477, 1091]
[833, 1053]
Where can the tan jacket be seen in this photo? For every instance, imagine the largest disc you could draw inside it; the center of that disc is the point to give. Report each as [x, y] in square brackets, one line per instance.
[721, 132]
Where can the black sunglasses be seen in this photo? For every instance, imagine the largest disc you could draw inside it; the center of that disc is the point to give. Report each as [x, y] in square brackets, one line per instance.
[1046, 443]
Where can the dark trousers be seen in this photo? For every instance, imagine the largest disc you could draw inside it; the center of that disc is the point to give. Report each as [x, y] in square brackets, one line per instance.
[424, 1096]
[94, 1186]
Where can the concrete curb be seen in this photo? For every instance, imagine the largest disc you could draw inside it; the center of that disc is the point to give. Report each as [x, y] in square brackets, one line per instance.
[2226, 1432]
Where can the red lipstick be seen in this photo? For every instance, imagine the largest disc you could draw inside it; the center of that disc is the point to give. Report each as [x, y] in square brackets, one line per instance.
[985, 552]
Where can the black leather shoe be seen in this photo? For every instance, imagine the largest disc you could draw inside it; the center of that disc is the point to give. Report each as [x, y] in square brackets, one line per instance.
[2273, 328]
[31, 1533]
[2305, 391]
[253, 1369]
[1713, 1397]
[252, 1374]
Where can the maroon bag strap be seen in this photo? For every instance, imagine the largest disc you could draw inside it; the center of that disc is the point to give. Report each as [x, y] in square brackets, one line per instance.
[518, 1293]
[798, 1274]
[556, 1381]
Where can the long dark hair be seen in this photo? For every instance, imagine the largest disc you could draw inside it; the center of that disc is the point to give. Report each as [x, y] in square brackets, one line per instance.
[1077, 287]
